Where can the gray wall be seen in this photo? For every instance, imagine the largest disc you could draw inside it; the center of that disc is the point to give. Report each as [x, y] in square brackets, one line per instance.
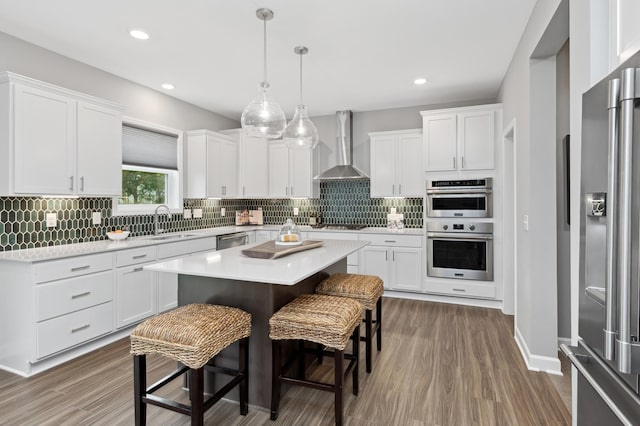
[563, 230]
[139, 101]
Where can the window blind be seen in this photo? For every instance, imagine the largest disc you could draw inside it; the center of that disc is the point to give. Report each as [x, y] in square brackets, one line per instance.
[146, 148]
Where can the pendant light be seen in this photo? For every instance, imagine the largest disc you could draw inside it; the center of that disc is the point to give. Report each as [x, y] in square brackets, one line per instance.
[263, 117]
[300, 132]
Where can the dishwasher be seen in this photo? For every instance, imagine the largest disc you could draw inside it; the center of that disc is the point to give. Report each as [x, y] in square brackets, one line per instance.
[235, 239]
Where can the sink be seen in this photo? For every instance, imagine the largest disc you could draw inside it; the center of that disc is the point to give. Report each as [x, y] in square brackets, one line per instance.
[172, 237]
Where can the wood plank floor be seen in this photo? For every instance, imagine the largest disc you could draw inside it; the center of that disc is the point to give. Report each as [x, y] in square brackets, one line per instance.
[440, 365]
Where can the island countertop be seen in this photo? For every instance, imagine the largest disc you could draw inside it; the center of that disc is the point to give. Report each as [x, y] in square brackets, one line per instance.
[232, 264]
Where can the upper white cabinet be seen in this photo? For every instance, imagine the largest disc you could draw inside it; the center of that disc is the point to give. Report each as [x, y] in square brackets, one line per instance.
[460, 138]
[253, 167]
[396, 163]
[290, 171]
[55, 141]
[211, 165]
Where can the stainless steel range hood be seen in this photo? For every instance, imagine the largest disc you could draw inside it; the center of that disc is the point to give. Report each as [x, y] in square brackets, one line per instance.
[345, 169]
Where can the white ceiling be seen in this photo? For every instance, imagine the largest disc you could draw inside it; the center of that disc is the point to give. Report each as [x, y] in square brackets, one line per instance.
[363, 54]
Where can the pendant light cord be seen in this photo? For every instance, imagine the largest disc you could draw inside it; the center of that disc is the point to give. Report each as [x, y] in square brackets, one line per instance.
[265, 49]
[301, 103]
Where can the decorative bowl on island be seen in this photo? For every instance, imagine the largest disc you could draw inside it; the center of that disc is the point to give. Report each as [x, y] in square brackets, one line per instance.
[117, 235]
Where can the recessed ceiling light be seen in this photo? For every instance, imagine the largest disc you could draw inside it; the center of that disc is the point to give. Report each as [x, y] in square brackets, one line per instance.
[139, 34]
[419, 81]
[168, 86]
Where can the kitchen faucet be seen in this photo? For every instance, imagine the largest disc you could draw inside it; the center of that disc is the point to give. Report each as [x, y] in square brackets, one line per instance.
[156, 229]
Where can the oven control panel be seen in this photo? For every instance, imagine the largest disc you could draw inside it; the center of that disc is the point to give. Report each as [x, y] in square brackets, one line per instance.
[467, 227]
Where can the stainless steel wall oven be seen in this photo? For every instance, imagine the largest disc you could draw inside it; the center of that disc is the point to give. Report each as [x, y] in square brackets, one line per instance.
[460, 250]
[460, 198]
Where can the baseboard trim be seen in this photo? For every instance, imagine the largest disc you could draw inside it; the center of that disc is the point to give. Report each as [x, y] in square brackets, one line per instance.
[550, 365]
[481, 303]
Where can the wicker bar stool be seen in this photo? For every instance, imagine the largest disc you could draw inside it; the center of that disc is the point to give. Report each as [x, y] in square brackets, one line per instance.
[193, 335]
[366, 289]
[326, 320]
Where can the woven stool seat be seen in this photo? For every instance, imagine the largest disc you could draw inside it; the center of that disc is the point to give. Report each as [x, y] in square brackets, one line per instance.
[191, 334]
[327, 320]
[366, 289]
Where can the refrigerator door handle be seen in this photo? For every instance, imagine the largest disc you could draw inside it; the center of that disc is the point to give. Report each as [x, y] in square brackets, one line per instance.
[578, 359]
[623, 343]
[611, 241]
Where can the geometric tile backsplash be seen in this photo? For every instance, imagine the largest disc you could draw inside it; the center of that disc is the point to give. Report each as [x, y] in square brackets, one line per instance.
[23, 225]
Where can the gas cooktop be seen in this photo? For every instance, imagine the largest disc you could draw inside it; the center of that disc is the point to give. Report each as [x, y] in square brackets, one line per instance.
[340, 226]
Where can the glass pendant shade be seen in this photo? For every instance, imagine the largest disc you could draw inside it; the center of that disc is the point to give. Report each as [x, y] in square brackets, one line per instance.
[301, 132]
[263, 117]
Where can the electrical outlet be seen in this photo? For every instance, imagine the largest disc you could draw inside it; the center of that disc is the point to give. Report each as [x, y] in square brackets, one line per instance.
[223, 212]
[52, 220]
[525, 222]
[393, 210]
[96, 218]
[197, 213]
[296, 211]
[186, 213]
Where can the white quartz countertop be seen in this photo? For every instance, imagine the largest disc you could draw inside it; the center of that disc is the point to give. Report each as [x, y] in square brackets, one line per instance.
[287, 270]
[93, 247]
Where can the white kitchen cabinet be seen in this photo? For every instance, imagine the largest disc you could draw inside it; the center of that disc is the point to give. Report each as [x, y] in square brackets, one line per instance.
[352, 259]
[211, 165]
[460, 138]
[253, 167]
[263, 235]
[135, 288]
[396, 163]
[63, 142]
[290, 172]
[396, 259]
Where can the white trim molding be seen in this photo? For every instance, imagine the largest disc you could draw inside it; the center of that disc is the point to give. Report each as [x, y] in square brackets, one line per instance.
[549, 365]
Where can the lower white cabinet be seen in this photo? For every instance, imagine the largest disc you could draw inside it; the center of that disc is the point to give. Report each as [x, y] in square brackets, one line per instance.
[396, 259]
[352, 259]
[262, 236]
[135, 295]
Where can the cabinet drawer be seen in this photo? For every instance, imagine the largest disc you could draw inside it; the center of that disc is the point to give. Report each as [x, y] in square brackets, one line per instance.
[462, 289]
[185, 247]
[75, 266]
[72, 329]
[62, 297]
[134, 256]
[393, 240]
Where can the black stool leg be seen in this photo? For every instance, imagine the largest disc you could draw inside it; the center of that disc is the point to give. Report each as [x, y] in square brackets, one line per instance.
[197, 396]
[356, 354]
[301, 360]
[379, 321]
[319, 352]
[368, 338]
[337, 387]
[275, 379]
[243, 367]
[140, 388]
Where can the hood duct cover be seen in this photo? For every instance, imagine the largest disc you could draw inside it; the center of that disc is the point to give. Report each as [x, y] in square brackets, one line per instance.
[345, 169]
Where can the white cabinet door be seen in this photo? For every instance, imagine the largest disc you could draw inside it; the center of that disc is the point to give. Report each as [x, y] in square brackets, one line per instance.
[215, 187]
[300, 179]
[44, 142]
[254, 167]
[476, 139]
[383, 166]
[409, 171]
[262, 236]
[167, 291]
[196, 166]
[135, 295]
[374, 260]
[228, 166]
[99, 150]
[440, 142]
[406, 269]
[278, 170]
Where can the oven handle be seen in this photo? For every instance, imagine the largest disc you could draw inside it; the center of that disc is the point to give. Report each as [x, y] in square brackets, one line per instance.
[458, 191]
[459, 236]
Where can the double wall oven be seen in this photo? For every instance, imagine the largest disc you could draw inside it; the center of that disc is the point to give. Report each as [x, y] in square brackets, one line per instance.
[459, 248]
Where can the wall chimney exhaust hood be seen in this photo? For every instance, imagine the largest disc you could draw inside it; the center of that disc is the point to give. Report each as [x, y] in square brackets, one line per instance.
[345, 169]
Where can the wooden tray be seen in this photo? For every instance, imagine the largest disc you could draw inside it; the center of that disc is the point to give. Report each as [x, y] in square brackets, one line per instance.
[269, 249]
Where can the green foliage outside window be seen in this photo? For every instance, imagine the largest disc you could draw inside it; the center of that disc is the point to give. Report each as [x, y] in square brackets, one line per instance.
[143, 187]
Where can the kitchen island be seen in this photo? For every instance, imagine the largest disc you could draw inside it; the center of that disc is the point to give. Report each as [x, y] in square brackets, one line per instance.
[258, 286]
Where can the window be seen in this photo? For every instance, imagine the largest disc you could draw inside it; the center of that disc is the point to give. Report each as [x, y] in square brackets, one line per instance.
[151, 156]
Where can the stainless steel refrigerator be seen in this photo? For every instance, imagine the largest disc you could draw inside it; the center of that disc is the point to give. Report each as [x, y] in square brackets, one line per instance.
[608, 352]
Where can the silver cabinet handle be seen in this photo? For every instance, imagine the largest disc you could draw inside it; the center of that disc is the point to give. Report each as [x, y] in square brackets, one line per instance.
[70, 183]
[399, 189]
[76, 296]
[243, 190]
[286, 190]
[462, 158]
[134, 270]
[82, 327]
[394, 256]
[611, 241]
[139, 256]
[624, 216]
[459, 289]
[81, 183]
[393, 189]
[386, 255]
[389, 241]
[292, 190]
[80, 268]
[454, 162]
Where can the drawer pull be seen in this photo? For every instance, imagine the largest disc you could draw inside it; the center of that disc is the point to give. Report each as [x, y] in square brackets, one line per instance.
[75, 296]
[389, 241]
[134, 270]
[459, 289]
[83, 327]
[80, 268]
[139, 256]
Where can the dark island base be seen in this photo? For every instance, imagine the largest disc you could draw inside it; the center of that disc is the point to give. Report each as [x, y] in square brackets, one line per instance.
[261, 301]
